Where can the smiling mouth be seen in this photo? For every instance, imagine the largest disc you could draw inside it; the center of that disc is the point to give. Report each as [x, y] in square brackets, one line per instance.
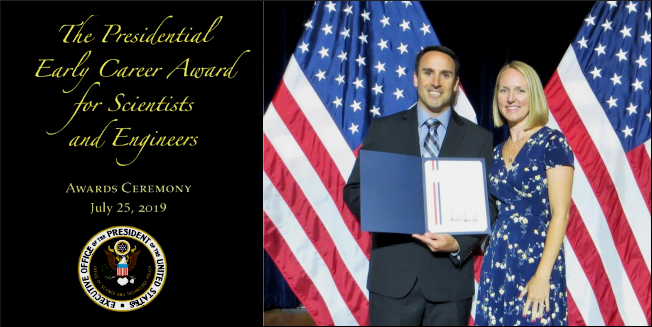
[435, 93]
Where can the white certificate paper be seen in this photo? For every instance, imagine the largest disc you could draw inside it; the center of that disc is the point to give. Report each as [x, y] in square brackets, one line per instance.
[455, 196]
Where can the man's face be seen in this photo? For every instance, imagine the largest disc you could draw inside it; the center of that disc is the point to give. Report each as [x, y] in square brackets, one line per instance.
[435, 82]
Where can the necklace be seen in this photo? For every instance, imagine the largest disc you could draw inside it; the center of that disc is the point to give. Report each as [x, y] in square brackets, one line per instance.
[511, 156]
[526, 137]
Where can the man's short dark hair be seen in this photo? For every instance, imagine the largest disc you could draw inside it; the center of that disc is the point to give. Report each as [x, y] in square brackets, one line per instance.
[441, 49]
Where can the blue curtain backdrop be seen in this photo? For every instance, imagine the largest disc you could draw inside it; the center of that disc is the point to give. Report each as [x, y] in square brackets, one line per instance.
[485, 35]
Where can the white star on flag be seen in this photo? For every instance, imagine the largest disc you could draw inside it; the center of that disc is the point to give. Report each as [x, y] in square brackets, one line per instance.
[606, 25]
[616, 79]
[400, 71]
[363, 37]
[327, 29]
[330, 6]
[360, 60]
[625, 31]
[358, 83]
[342, 56]
[323, 52]
[398, 93]
[340, 79]
[385, 21]
[631, 109]
[337, 102]
[621, 55]
[641, 61]
[356, 106]
[380, 66]
[600, 49]
[425, 29]
[627, 131]
[382, 44]
[375, 111]
[321, 75]
[405, 25]
[354, 128]
[304, 47]
[377, 89]
[365, 15]
[403, 48]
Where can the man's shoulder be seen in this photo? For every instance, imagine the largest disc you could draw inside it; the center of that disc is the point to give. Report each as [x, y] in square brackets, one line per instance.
[393, 118]
[472, 127]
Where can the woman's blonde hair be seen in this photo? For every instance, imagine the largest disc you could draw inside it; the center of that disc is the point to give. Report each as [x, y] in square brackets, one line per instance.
[539, 110]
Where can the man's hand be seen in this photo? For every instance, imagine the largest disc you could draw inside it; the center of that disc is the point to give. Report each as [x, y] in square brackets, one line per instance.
[439, 242]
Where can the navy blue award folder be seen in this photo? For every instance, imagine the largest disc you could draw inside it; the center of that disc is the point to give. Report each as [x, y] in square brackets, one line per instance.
[411, 195]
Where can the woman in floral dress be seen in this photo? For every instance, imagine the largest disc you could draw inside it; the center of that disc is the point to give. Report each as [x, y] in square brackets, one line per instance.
[523, 277]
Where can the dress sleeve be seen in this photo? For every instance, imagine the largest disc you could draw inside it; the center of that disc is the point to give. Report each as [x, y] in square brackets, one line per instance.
[558, 152]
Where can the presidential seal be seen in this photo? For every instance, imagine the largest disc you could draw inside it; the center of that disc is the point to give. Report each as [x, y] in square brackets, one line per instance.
[122, 268]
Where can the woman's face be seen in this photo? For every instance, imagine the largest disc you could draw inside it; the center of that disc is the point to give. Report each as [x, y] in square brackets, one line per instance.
[513, 97]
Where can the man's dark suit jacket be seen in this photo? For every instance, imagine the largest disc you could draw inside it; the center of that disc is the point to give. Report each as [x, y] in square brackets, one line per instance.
[398, 260]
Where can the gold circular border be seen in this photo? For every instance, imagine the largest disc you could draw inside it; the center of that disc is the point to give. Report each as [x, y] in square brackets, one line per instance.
[165, 273]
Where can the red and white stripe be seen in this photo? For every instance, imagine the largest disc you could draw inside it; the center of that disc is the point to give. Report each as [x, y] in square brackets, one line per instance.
[308, 230]
[608, 238]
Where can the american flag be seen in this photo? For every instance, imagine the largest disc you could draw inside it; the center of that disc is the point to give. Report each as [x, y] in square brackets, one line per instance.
[600, 99]
[353, 63]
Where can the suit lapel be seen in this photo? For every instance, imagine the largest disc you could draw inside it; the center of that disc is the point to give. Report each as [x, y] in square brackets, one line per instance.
[454, 135]
[409, 132]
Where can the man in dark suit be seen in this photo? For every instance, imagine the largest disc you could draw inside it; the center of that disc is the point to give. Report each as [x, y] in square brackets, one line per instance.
[423, 279]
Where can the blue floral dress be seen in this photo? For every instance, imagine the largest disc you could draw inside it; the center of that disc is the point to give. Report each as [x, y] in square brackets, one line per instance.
[519, 234]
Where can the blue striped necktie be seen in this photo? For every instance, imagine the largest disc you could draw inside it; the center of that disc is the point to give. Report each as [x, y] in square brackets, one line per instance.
[431, 144]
